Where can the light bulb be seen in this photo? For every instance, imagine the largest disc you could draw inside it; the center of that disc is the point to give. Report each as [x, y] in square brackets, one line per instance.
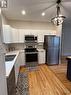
[43, 14]
[23, 12]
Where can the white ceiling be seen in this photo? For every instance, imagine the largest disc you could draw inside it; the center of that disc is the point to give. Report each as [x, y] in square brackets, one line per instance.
[34, 8]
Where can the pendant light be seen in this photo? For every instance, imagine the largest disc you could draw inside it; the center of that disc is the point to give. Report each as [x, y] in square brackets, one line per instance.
[59, 18]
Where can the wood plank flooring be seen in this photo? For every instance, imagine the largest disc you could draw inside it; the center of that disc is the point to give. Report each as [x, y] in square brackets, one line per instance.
[44, 82]
[61, 72]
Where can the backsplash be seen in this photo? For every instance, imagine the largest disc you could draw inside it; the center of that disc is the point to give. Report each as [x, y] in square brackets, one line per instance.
[40, 45]
[16, 46]
[20, 46]
[6, 48]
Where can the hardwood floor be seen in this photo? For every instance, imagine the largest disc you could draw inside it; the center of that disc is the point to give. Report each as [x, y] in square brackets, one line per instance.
[49, 80]
[44, 82]
[61, 71]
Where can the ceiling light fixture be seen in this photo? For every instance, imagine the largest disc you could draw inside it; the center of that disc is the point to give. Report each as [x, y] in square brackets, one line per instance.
[43, 14]
[23, 12]
[59, 18]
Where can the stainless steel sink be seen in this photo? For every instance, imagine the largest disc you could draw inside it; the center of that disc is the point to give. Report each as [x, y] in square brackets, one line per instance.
[9, 57]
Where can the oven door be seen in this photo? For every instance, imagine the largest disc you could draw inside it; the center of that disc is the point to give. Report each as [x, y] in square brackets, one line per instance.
[31, 57]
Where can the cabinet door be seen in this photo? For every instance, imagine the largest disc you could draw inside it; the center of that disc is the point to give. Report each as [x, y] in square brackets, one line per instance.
[17, 67]
[41, 57]
[19, 62]
[7, 34]
[15, 36]
[21, 35]
[22, 59]
[10, 35]
[40, 36]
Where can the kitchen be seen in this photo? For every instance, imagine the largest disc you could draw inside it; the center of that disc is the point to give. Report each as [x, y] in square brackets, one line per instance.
[14, 31]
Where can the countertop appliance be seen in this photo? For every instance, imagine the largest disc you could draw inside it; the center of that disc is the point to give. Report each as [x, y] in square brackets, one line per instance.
[52, 46]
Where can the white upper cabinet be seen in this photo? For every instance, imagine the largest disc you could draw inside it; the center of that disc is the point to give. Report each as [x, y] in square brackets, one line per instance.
[7, 34]
[21, 35]
[33, 32]
[27, 31]
[12, 35]
[15, 35]
[40, 36]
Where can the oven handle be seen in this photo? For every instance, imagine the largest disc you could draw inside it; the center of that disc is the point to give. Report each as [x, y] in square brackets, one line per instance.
[31, 52]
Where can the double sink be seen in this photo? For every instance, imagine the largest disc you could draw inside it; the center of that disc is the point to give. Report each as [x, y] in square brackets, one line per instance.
[9, 57]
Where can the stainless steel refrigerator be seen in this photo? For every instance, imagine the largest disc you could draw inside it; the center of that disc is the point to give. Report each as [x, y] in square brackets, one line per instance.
[52, 46]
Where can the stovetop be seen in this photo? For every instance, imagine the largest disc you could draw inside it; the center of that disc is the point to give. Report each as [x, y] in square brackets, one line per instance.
[31, 50]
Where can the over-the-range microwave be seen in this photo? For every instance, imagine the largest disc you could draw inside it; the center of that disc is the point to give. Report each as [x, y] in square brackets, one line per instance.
[31, 38]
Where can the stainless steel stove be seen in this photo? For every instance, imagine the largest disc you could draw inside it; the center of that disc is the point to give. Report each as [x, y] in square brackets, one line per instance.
[31, 53]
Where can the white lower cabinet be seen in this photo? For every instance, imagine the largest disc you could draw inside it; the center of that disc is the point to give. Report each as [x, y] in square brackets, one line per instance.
[10, 35]
[14, 35]
[7, 34]
[41, 56]
[21, 35]
[17, 67]
[22, 58]
[19, 62]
